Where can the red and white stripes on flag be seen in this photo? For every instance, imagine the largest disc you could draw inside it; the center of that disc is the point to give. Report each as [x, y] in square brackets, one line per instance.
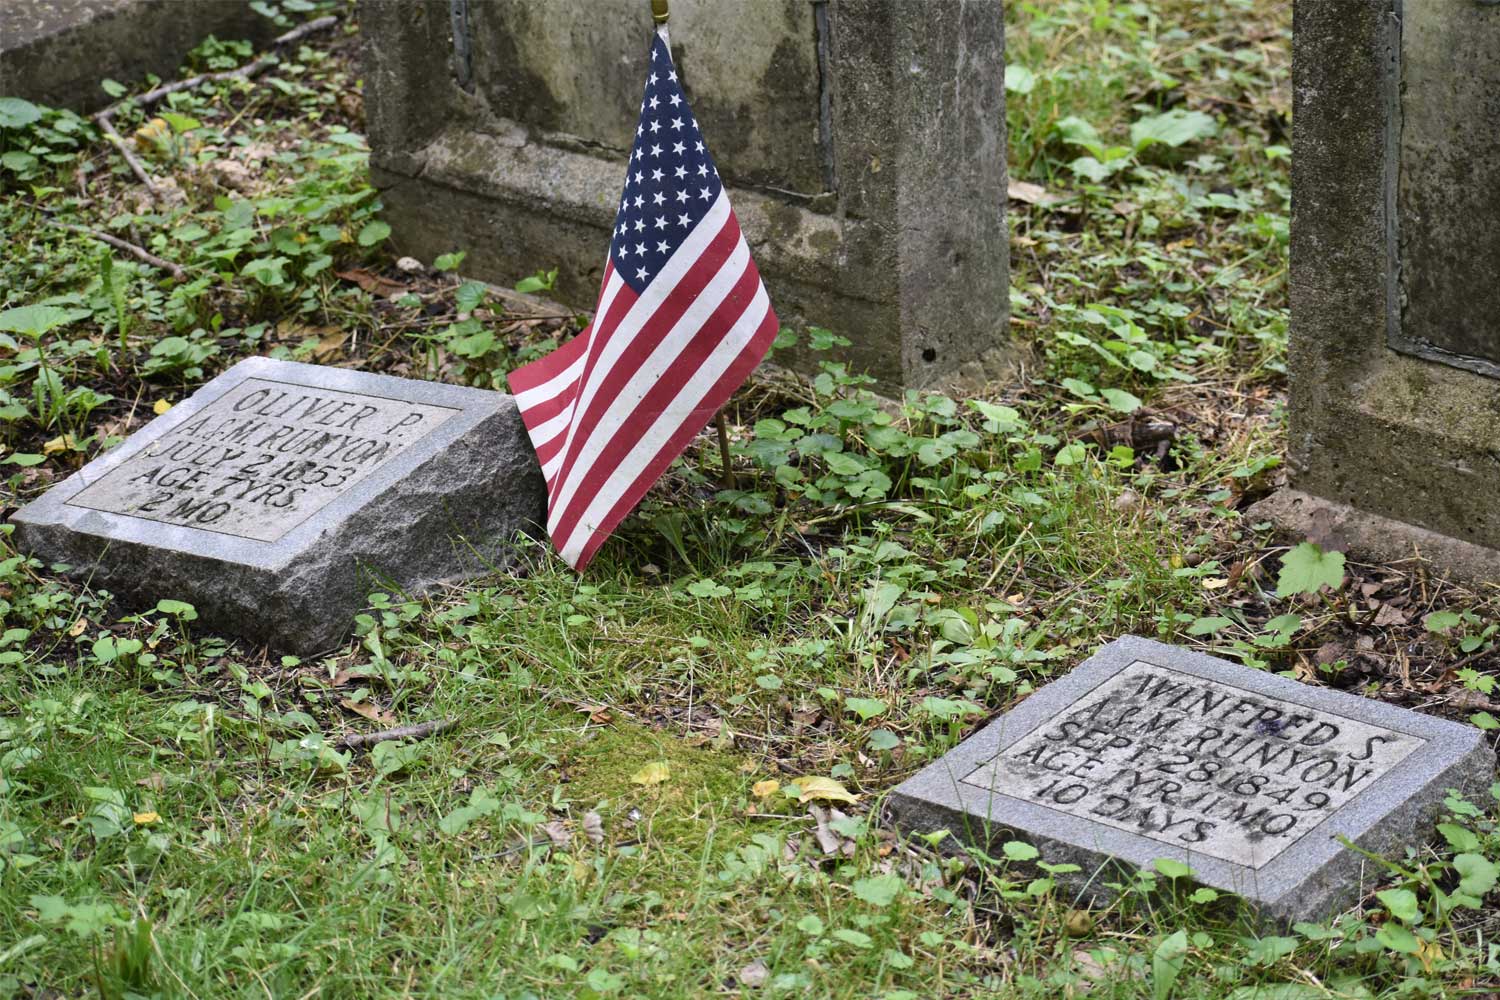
[682, 320]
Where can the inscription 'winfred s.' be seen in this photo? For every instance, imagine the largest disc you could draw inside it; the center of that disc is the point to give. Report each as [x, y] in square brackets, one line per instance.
[262, 458]
[1208, 766]
[1271, 789]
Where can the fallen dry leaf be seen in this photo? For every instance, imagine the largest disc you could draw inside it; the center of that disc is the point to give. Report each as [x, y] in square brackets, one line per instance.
[146, 818]
[1031, 194]
[150, 133]
[63, 442]
[1079, 923]
[652, 774]
[372, 283]
[1388, 615]
[330, 346]
[557, 831]
[754, 974]
[593, 827]
[762, 789]
[823, 789]
[368, 710]
[831, 843]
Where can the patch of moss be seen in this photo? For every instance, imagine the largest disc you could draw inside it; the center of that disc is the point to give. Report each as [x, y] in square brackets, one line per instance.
[703, 790]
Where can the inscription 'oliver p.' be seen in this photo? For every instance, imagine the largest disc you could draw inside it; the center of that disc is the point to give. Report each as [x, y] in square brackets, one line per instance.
[262, 458]
[279, 495]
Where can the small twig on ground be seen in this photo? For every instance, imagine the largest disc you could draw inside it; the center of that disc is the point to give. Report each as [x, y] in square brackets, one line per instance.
[727, 468]
[109, 130]
[420, 731]
[150, 258]
[246, 71]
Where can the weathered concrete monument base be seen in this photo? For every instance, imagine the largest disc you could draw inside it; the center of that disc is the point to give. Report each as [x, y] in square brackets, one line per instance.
[278, 496]
[55, 52]
[1147, 751]
[863, 143]
[1395, 337]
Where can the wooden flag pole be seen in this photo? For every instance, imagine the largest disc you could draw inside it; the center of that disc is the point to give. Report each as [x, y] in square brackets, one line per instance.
[728, 478]
[659, 14]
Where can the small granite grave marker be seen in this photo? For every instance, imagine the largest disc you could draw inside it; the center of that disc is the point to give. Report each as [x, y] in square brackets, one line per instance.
[1147, 751]
[279, 493]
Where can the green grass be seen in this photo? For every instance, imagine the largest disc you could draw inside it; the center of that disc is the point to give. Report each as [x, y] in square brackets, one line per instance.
[618, 809]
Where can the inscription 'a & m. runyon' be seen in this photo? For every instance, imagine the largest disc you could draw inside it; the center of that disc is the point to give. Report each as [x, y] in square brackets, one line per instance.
[1206, 766]
[262, 458]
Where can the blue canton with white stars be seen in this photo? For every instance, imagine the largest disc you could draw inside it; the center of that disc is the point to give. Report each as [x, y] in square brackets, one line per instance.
[671, 180]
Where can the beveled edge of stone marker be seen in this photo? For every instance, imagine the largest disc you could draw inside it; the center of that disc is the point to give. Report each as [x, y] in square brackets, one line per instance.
[53, 510]
[1315, 876]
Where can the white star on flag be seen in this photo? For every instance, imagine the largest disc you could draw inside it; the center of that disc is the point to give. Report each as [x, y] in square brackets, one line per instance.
[670, 342]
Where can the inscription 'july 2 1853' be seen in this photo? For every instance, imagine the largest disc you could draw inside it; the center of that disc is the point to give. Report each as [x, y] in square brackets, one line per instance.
[1205, 766]
[262, 458]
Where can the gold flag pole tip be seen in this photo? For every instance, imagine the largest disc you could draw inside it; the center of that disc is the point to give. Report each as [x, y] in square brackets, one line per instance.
[659, 12]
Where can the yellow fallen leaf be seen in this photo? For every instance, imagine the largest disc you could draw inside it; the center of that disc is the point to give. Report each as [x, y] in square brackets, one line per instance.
[154, 130]
[147, 818]
[825, 789]
[1215, 583]
[763, 789]
[1428, 952]
[160, 406]
[652, 774]
[63, 442]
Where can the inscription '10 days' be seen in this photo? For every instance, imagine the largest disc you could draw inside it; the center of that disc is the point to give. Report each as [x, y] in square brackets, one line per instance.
[1207, 766]
[262, 458]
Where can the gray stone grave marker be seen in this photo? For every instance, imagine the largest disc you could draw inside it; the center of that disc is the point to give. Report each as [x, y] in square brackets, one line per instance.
[280, 493]
[862, 143]
[1147, 751]
[1394, 354]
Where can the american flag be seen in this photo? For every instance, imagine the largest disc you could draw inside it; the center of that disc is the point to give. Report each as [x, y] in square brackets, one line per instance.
[682, 319]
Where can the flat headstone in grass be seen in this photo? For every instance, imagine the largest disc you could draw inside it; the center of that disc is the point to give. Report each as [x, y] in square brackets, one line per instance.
[279, 495]
[1147, 751]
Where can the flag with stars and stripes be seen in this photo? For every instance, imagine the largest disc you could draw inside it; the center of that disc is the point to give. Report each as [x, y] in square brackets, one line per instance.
[682, 319]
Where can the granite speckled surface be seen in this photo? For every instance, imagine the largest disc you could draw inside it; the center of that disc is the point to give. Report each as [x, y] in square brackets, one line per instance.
[1148, 751]
[279, 495]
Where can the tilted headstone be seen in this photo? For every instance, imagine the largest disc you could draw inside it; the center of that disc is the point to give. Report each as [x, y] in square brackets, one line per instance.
[1395, 281]
[277, 496]
[863, 142]
[1147, 751]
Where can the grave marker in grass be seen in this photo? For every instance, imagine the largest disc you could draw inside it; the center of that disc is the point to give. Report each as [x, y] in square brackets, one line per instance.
[1148, 751]
[279, 495]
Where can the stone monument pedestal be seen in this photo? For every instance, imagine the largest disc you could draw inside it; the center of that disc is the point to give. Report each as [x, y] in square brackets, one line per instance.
[1395, 282]
[863, 143]
[55, 52]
